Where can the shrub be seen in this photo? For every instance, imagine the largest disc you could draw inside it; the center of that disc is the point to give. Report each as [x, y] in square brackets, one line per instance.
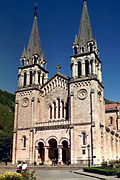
[11, 176]
[26, 175]
[104, 164]
[118, 174]
[100, 171]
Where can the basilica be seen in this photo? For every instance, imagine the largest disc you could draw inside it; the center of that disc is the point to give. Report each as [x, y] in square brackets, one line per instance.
[64, 118]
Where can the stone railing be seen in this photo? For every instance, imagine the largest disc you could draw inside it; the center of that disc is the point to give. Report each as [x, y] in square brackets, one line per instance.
[53, 123]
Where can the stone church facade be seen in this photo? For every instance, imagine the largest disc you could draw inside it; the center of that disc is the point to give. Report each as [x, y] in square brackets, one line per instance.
[64, 118]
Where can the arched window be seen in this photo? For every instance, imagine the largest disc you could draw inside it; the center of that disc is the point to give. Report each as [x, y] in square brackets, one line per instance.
[30, 77]
[75, 50]
[22, 62]
[54, 110]
[38, 77]
[43, 79]
[28, 61]
[111, 120]
[87, 68]
[25, 78]
[24, 141]
[83, 49]
[58, 108]
[62, 109]
[67, 110]
[84, 138]
[91, 47]
[79, 69]
[35, 59]
[91, 63]
[50, 107]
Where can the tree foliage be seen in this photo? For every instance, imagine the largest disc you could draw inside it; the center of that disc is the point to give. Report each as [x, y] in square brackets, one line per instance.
[6, 124]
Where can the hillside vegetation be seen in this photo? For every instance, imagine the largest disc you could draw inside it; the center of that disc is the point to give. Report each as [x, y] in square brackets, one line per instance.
[6, 124]
[109, 101]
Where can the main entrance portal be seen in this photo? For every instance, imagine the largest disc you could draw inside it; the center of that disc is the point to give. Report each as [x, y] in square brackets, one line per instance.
[53, 150]
[41, 151]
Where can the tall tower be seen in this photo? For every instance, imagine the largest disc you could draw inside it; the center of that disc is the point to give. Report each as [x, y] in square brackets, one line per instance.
[86, 94]
[32, 76]
[32, 70]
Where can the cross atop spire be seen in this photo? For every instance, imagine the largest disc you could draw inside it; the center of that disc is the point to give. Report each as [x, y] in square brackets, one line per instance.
[35, 8]
[58, 68]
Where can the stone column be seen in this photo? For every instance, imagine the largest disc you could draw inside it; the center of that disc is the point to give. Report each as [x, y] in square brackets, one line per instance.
[60, 154]
[90, 68]
[14, 154]
[31, 133]
[76, 69]
[72, 129]
[83, 68]
[94, 67]
[22, 80]
[41, 79]
[36, 77]
[47, 155]
[28, 79]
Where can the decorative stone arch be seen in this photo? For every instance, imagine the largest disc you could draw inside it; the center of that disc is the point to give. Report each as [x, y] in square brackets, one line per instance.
[64, 139]
[40, 140]
[51, 137]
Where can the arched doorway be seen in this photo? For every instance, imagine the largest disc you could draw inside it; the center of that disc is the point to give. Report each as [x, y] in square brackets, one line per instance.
[53, 150]
[65, 152]
[41, 151]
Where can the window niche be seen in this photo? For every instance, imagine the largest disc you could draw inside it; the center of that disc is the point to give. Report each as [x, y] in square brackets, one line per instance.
[84, 138]
[25, 78]
[87, 73]
[75, 50]
[111, 121]
[79, 69]
[62, 109]
[58, 108]
[50, 112]
[54, 103]
[24, 142]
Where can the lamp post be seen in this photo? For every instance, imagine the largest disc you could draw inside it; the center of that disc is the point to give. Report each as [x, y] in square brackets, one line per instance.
[88, 147]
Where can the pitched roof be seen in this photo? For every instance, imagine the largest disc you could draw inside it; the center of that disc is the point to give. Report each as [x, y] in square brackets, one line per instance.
[34, 46]
[85, 31]
[110, 106]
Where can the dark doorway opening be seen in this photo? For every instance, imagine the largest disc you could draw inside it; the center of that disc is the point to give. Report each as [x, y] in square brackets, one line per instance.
[53, 150]
[41, 151]
[65, 152]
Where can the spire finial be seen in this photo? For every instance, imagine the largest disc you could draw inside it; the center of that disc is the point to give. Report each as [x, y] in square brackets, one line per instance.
[35, 8]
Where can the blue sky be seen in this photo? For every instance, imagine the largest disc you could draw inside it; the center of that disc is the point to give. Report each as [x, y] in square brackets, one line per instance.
[58, 22]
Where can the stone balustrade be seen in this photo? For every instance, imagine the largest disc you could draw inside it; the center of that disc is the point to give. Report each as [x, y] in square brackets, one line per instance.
[53, 123]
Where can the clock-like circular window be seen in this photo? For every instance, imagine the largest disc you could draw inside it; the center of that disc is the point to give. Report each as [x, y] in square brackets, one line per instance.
[25, 102]
[82, 94]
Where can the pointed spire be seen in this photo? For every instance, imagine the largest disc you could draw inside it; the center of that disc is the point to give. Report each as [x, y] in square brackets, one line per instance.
[76, 39]
[34, 46]
[85, 30]
[24, 52]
